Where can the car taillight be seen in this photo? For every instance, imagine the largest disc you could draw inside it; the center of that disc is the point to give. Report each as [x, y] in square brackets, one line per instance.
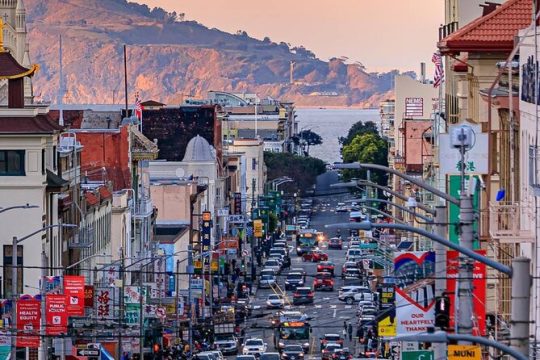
[296, 295]
[310, 295]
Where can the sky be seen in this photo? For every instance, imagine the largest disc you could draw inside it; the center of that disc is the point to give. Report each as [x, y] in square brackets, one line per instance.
[381, 34]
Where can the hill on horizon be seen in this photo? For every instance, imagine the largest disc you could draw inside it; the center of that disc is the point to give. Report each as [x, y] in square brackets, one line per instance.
[170, 59]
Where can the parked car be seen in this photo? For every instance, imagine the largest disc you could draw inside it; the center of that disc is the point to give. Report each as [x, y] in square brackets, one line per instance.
[315, 256]
[335, 243]
[293, 280]
[323, 281]
[326, 266]
[303, 295]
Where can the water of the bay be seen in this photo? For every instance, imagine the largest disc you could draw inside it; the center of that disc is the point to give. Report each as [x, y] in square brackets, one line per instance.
[332, 124]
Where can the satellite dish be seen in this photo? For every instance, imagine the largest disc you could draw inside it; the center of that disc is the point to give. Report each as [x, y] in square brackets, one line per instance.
[180, 173]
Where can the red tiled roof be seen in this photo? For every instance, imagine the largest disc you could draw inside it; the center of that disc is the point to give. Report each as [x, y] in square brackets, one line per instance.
[494, 32]
[28, 125]
[10, 68]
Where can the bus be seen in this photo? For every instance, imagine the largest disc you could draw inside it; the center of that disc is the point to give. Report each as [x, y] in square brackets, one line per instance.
[293, 333]
[306, 241]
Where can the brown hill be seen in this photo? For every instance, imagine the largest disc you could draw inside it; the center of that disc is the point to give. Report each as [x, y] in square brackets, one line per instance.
[170, 59]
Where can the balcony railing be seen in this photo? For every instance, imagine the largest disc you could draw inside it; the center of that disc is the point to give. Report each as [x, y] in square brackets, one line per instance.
[447, 29]
[505, 222]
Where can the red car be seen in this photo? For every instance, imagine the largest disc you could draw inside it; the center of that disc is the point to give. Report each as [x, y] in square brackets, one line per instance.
[335, 243]
[315, 256]
[323, 281]
[326, 266]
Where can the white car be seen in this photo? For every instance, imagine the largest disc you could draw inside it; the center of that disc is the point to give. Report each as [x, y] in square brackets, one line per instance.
[254, 346]
[353, 293]
[274, 301]
[267, 281]
[273, 264]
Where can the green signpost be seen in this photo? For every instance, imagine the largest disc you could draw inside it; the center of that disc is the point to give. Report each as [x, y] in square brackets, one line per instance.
[417, 355]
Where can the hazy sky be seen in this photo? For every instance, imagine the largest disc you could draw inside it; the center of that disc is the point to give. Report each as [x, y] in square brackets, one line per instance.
[382, 34]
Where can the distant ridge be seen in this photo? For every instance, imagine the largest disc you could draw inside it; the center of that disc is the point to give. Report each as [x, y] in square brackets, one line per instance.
[183, 59]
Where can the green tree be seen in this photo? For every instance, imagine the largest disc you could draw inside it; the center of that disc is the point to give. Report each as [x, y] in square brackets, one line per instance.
[366, 148]
[309, 138]
[302, 169]
[359, 128]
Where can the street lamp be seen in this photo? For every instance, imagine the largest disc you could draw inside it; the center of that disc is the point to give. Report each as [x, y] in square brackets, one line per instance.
[27, 206]
[15, 280]
[518, 273]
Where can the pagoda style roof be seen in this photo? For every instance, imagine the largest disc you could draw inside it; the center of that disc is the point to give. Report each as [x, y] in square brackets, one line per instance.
[10, 69]
[494, 32]
[28, 125]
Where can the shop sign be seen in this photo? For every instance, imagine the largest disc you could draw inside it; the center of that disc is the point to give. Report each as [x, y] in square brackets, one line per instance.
[88, 296]
[464, 352]
[104, 303]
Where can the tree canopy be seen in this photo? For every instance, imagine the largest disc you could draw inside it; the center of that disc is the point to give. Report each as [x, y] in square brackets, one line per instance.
[302, 169]
[307, 138]
[366, 148]
[359, 128]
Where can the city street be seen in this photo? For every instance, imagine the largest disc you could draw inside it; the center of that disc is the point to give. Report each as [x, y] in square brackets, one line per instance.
[327, 313]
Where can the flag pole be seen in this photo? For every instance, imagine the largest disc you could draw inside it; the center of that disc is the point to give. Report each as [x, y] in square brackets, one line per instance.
[125, 79]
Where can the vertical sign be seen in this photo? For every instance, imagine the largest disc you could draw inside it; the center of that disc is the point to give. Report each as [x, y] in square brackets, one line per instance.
[237, 209]
[258, 228]
[56, 314]
[206, 230]
[414, 107]
[415, 291]
[28, 319]
[104, 302]
[88, 296]
[74, 290]
[454, 188]
[479, 290]
[387, 325]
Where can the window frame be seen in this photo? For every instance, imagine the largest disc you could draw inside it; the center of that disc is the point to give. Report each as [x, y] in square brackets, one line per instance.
[4, 166]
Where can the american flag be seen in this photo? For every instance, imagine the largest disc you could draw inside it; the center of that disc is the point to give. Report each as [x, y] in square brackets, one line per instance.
[138, 108]
[438, 78]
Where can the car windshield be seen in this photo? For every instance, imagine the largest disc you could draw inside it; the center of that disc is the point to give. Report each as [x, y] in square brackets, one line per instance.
[271, 263]
[267, 277]
[303, 291]
[293, 348]
[269, 357]
[333, 347]
[294, 276]
[300, 333]
[323, 276]
[274, 297]
[332, 337]
[254, 342]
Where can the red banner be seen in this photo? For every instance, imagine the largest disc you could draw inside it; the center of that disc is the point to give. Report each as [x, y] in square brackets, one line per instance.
[89, 296]
[56, 314]
[28, 319]
[479, 290]
[74, 290]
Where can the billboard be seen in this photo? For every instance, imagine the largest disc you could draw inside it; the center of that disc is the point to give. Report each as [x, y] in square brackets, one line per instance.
[415, 291]
[56, 314]
[74, 290]
[28, 319]
[479, 290]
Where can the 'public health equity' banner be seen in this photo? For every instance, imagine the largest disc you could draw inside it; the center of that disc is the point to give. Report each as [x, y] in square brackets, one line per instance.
[415, 291]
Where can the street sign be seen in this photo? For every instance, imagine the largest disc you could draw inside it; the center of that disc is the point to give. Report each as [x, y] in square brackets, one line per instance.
[462, 352]
[417, 355]
[87, 352]
[223, 212]
[245, 252]
[236, 219]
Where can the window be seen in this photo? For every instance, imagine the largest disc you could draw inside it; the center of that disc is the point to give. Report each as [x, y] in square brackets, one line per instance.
[532, 166]
[43, 163]
[12, 162]
[253, 164]
[55, 158]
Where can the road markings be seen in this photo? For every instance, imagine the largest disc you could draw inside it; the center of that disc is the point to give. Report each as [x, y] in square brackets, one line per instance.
[348, 306]
[333, 306]
[335, 311]
[318, 306]
[325, 299]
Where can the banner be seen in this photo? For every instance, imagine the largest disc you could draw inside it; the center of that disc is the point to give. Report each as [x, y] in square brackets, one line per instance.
[88, 296]
[56, 314]
[237, 207]
[206, 230]
[415, 291]
[258, 228]
[479, 290]
[28, 319]
[74, 290]
[104, 303]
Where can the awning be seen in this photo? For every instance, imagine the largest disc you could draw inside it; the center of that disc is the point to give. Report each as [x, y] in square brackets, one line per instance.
[105, 355]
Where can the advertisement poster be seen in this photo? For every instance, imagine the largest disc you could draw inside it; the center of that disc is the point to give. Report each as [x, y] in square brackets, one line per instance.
[479, 290]
[415, 291]
[88, 296]
[56, 314]
[74, 290]
[28, 319]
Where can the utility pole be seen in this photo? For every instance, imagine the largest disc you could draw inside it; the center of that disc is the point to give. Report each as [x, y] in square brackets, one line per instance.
[121, 303]
[439, 349]
[253, 204]
[520, 319]
[44, 342]
[190, 274]
[466, 266]
[14, 296]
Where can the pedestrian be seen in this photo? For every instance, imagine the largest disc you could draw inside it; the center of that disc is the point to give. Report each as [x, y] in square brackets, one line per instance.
[350, 331]
[360, 334]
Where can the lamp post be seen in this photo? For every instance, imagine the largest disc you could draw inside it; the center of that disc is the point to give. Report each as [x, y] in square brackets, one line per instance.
[15, 280]
[27, 206]
[518, 272]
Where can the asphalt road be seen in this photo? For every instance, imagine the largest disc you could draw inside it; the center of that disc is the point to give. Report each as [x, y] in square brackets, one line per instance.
[327, 313]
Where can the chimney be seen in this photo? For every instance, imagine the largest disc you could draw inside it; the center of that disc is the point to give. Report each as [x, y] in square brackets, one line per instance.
[423, 72]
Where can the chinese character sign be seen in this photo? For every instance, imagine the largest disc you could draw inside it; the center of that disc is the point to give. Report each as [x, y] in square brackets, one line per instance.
[28, 319]
[56, 314]
[74, 290]
[89, 296]
[206, 231]
[104, 303]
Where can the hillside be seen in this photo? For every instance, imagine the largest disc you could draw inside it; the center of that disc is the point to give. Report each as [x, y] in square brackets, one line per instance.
[178, 59]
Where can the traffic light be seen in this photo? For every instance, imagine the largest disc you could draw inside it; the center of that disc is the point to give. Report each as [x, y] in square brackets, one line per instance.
[442, 312]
